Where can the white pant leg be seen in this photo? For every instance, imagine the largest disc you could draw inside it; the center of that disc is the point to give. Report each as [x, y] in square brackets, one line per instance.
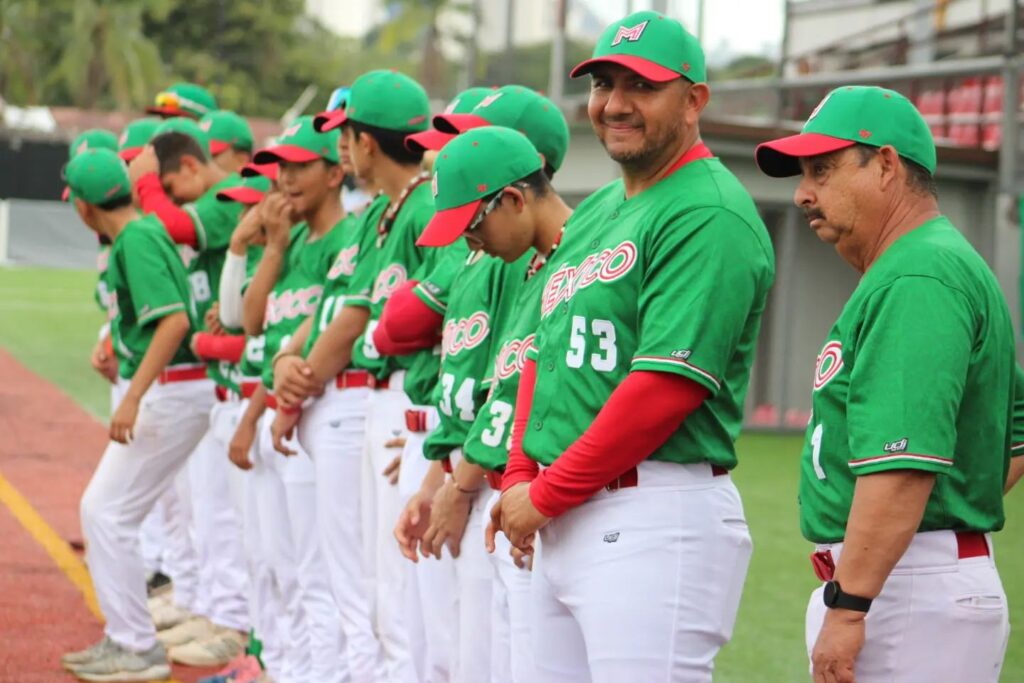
[938, 619]
[320, 619]
[474, 577]
[126, 484]
[223, 578]
[512, 650]
[333, 431]
[278, 546]
[559, 650]
[436, 588]
[151, 538]
[382, 505]
[652, 574]
[181, 558]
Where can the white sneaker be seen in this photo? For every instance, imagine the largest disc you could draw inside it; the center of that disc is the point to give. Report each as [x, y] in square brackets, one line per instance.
[169, 616]
[157, 602]
[217, 649]
[195, 628]
[90, 653]
[117, 663]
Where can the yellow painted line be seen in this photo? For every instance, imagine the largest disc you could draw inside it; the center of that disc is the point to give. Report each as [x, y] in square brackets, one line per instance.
[55, 546]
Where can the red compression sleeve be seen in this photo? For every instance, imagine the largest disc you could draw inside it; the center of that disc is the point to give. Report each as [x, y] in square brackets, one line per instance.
[406, 323]
[620, 437]
[520, 467]
[177, 222]
[220, 346]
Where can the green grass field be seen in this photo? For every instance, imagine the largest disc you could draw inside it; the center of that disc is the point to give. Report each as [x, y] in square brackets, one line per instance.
[49, 322]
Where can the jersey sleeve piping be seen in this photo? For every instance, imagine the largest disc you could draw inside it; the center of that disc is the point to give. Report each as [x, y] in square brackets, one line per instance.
[904, 460]
[678, 366]
[161, 312]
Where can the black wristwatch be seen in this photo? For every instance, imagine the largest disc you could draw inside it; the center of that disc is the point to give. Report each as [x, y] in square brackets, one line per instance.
[835, 597]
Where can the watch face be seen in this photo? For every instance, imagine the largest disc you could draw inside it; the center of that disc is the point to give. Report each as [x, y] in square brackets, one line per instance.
[831, 593]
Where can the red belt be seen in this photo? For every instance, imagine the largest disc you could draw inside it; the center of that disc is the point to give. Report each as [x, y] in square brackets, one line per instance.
[221, 392]
[630, 478]
[416, 420]
[968, 544]
[249, 388]
[446, 465]
[375, 383]
[171, 375]
[354, 379]
[270, 401]
[494, 479]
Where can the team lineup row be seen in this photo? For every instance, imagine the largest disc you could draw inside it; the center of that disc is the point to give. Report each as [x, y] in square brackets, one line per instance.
[326, 359]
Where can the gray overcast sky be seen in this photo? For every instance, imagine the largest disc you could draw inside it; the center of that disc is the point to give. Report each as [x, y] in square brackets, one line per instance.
[746, 25]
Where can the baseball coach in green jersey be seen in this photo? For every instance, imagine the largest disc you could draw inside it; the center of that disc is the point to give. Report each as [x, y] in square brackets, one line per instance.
[907, 450]
[162, 414]
[653, 298]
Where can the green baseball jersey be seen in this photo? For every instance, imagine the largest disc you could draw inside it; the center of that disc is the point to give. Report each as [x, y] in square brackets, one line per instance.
[214, 222]
[435, 289]
[480, 295]
[673, 280]
[397, 259]
[147, 282]
[298, 289]
[101, 295]
[350, 278]
[490, 436]
[1017, 438]
[250, 367]
[917, 373]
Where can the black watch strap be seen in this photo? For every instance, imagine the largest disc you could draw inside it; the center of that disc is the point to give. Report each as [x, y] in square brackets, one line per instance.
[834, 597]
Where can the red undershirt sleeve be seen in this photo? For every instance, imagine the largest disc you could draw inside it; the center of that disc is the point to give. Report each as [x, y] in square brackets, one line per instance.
[406, 324]
[220, 346]
[177, 222]
[619, 438]
[520, 467]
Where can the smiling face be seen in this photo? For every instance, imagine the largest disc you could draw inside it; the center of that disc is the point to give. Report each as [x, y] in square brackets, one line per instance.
[307, 184]
[638, 121]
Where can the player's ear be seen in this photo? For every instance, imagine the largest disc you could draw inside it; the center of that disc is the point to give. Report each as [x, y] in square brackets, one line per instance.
[697, 97]
[335, 176]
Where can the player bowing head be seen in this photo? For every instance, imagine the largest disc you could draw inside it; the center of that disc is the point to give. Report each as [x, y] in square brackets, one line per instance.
[182, 151]
[309, 171]
[491, 188]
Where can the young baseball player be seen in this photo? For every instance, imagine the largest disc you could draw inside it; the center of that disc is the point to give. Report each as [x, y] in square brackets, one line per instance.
[638, 518]
[160, 419]
[521, 224]
[905, 458]
[230, 139]
[183, 99]
[285, 290]
[383, 108]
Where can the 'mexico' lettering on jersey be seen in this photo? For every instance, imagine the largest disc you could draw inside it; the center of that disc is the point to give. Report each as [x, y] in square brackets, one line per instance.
[464, 334]
[607, 266]
[511, 357]
[388, 280]
[292, 304]
[830, 362]
[344, 263]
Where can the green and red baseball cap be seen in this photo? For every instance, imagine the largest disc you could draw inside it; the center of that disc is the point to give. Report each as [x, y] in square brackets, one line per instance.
[519, 108]
[97, 176]
[463, 103]
[472, 166]
[301, 142]
[136, 135]
[849, 115]
[186, 126]
[251, 190]
[266, 170]
[226, 129]
[654, 46]
[183, 99]
[385, 99]
[94, 138]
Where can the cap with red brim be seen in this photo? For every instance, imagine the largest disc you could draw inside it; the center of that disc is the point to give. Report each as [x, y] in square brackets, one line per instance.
[781, 158]
[432, 139]
[329, 120]
[639, 65]
[278, 153]
[251, 170]
[217, 146]
[459, 123]
[170, 111]
[242, 195]
[130, 153]
[446, 226]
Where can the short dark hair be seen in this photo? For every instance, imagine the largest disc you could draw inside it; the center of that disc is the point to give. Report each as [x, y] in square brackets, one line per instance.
[391, 142]
[919, 179]
[537, 181]
[172, 146]
[116, 203]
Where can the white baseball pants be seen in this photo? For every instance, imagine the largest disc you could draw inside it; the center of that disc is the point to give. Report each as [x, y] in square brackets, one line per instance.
[641, 583]
[938, 618]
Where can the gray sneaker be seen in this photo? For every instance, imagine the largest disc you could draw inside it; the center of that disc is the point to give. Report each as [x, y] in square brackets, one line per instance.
[117, 663]
[88, 654]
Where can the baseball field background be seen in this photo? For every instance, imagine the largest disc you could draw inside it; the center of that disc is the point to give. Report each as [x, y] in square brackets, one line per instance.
[48, 322]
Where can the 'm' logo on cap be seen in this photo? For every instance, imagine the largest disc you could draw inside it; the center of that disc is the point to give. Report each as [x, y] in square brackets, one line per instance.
[82, 146]
[452, 105]
[630, 33]
[205, 125]
[291, 131]
[817, 109]
[489, 100]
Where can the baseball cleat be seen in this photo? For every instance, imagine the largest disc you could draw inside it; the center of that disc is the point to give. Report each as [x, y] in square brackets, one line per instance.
[117, 663]
[217, 649]
[82, 656]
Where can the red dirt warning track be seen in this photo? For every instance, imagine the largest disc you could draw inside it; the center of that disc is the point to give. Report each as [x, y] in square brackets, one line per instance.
[48, 451]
